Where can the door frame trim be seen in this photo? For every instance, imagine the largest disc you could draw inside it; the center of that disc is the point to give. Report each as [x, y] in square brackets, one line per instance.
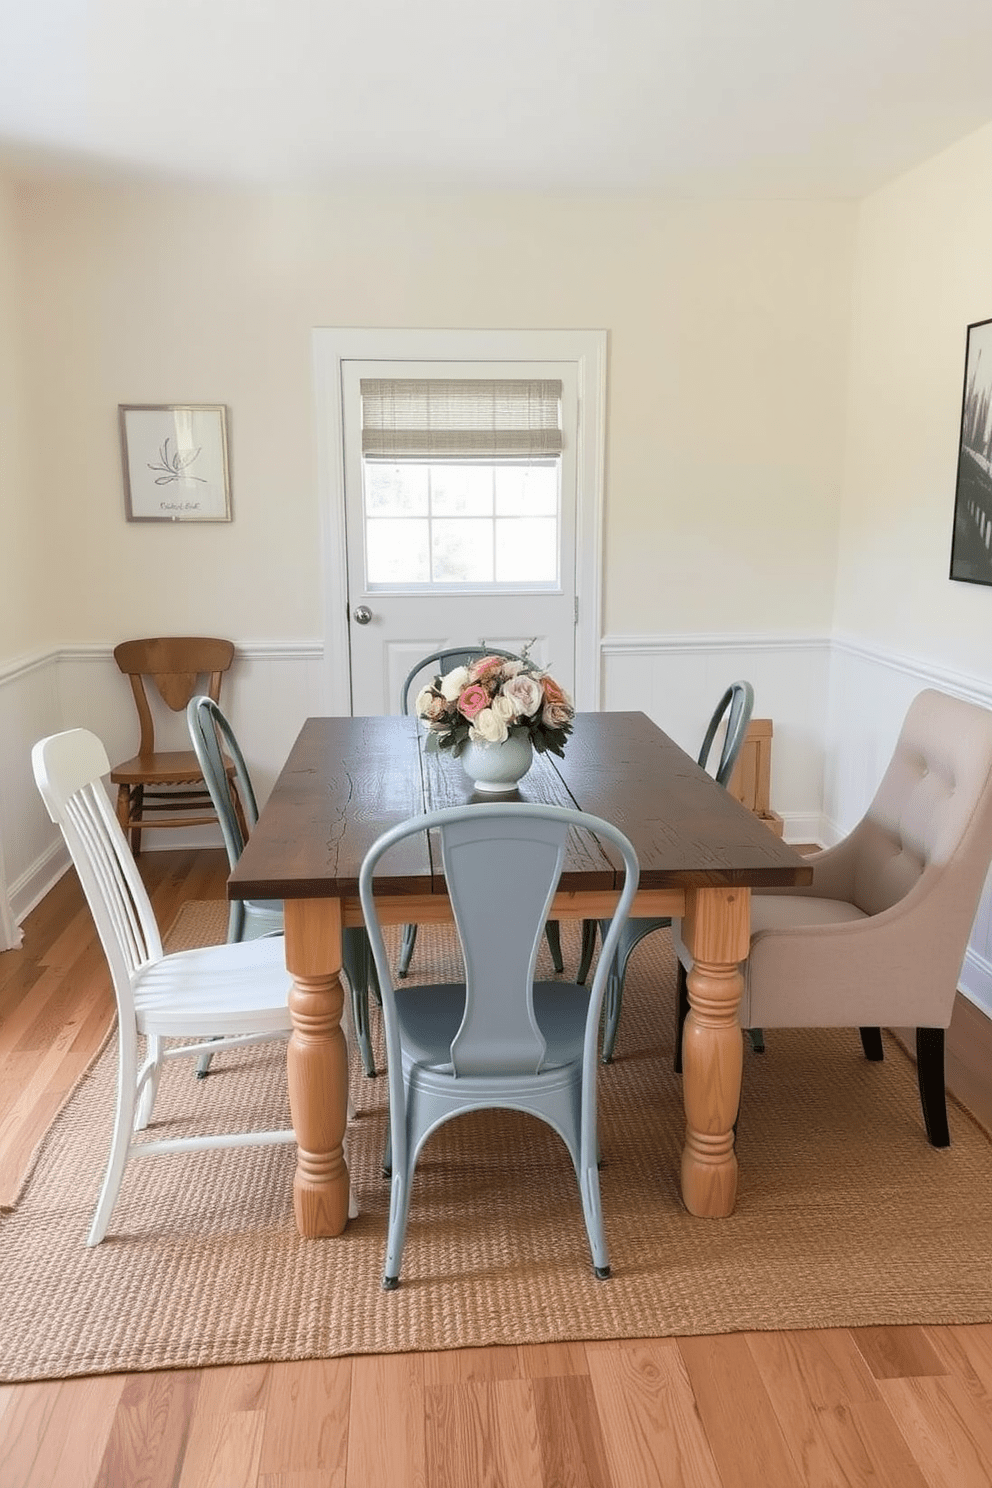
[333, 346]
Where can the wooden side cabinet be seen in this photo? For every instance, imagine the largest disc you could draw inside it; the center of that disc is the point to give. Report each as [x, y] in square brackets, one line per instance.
[751, 780]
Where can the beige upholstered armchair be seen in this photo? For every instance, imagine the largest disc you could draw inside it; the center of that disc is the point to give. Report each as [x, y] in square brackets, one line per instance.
[878, 938]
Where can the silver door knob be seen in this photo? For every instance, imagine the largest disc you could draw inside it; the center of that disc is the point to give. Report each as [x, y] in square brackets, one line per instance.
[362, 615]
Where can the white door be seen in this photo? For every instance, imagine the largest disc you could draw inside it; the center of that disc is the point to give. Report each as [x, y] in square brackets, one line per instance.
[460, 551]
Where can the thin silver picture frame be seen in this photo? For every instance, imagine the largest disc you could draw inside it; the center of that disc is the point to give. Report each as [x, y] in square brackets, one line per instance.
[175, 462]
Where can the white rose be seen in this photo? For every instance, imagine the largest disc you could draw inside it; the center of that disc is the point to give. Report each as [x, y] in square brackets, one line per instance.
[526, 693]
[424, 699]
[453, 684]
[488, 728]
[504, 707]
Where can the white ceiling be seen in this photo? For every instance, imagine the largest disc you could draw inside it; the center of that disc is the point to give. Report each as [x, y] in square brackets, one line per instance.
[692, 97]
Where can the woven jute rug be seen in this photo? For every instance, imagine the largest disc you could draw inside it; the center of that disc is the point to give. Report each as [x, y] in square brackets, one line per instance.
[200, 922]
[845, 1215]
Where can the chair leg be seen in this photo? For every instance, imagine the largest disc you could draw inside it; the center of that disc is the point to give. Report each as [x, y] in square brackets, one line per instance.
[592, 1211]
[681, 1012]
[552, 931]
[236, 921]
[127, 1074]
[203, 1066]
[930, 1074]
[399, 1208]
[588, 949]
[129, 804]
[146, 1100]
[136, 807]
[612, 1003]
[871, 1042]
[357, 957]
[406, 950]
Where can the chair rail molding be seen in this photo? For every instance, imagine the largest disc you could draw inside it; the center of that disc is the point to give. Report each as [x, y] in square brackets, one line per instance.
[635, 645]
[965, 685]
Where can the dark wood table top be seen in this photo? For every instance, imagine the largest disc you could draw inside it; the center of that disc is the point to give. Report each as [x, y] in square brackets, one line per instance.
[348, 779]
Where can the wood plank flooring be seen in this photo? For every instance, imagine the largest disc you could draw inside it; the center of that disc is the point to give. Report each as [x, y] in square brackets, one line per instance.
[886, 1407]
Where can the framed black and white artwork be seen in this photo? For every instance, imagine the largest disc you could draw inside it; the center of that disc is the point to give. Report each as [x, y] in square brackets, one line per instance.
[175, 462]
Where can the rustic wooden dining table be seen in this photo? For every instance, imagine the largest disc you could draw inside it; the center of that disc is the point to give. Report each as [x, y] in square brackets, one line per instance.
[701, 853]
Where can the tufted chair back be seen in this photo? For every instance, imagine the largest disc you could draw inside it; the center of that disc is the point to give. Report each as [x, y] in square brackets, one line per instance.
[879, 936]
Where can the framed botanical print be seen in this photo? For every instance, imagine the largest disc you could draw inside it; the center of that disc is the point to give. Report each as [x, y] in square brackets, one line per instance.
[175, 462]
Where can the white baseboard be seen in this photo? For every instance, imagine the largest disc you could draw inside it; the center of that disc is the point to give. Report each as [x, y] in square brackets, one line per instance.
[799, 826]
[976, 981]
[31, 887]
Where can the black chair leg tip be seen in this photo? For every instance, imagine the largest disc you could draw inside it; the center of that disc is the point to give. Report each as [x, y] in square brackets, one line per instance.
[603, 1273]
[390, 1283]
[202, 1074]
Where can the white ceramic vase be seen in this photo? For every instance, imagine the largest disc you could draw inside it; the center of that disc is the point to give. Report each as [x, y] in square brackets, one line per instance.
[496, 768]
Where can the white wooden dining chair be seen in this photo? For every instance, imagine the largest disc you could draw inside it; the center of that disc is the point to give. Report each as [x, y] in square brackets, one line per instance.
[238, 992]
[498, 1039]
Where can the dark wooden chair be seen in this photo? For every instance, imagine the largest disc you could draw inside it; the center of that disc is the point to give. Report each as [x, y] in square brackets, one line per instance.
[166, 788]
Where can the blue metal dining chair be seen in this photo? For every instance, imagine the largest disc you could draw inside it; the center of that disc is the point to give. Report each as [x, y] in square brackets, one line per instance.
[213, 738]
[736, 706]
[498, 1039]
[438, 664]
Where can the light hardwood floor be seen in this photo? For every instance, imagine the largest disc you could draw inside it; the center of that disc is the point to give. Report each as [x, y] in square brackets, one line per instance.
[905, 1407]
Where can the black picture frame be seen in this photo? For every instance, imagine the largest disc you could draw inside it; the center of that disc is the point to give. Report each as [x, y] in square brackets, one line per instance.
[971, 542]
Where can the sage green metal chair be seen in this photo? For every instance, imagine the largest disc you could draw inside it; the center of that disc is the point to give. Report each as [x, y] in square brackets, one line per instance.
[736, 706]
[498, 1039]
[437, 664]
[213, 739]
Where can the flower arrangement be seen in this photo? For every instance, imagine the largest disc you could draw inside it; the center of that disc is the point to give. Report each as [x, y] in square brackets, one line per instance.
[493, 699]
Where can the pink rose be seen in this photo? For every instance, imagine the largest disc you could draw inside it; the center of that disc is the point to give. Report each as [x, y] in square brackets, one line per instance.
[472, 700]
[485, 669]
[553, 693]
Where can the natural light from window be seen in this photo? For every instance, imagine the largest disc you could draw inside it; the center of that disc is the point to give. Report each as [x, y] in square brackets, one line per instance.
[462, 523]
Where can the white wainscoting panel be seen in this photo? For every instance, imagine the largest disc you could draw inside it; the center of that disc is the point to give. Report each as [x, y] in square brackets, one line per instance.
[34, 856]
[678, 680]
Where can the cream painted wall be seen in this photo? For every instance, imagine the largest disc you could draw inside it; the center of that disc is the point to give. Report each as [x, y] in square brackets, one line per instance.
[921, 275]
[728, 340]
[21, 615]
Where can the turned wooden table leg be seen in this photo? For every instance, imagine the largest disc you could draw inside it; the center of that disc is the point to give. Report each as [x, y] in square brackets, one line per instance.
[317, 1065]
[716, 930]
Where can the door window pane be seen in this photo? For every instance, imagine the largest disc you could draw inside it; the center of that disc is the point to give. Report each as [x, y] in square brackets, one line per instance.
[527, 490]
[461, 490]
[396, 490]
[398, 551]
[526, 550]
[462, 551]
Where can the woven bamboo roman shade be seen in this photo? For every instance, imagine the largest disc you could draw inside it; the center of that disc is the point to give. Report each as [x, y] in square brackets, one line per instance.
[465, 418]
